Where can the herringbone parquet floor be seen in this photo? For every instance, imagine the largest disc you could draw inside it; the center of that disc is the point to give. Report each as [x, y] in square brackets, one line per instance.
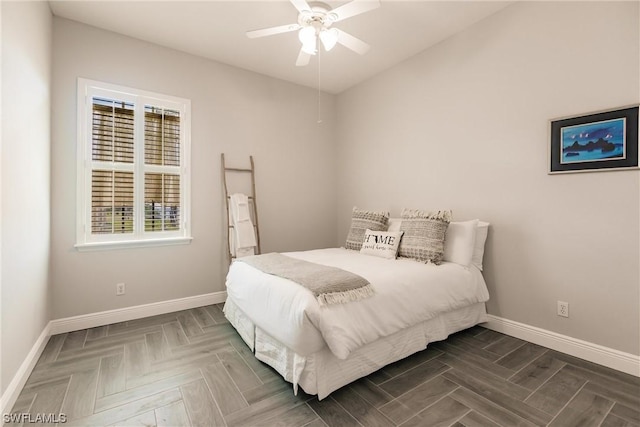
[191, 368]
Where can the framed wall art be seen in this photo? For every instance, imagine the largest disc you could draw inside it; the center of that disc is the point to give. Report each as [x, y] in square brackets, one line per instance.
[607, 140]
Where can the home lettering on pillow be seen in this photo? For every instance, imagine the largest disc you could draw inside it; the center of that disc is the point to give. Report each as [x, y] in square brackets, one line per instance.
[383, 244]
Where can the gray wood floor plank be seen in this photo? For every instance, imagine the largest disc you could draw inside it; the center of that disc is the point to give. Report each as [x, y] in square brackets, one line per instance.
[537, 372]
[556, 393]
[73, 356]
[188, 323]
[33, 388]
[52, 349]
[474, 419]
[610, 388]
[489, 409]
[443, 413]
[413, 402]
[81, 394]
[630, 414]
[201, 347]
[172, 415]
[316, 423]
[23, 402]
[136, 360]
[585, 410]
[332, 414]
[129, 410]
[170, 368]
[403, 365]
[498, 397]
[74, 340]
[224, 390]
[62, 370]
[147, 419]
[216, 313]
[379, 376]
[471, 345]
[136, 325]
[265, 390]
[599, 370]
[614, 421]
[298, 416]
[370, 392]
[157, 346]
[174, 333]
[360, 409]
[97, 332]
[121, 339]
[202, 317]
[202, 409]
[49, 400]
[505, 345]
[127, 396]
[111, 378]
[521, 356]
[264, 409]
[493, 380]
[486, 335]
[224, 330]
[412, 378]
[238, 370]
[476, 361]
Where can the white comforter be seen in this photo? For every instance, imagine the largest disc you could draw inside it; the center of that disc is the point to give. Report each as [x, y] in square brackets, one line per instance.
[406, 293]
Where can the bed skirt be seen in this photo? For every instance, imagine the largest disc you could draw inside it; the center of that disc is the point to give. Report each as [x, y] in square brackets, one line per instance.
[322, 373]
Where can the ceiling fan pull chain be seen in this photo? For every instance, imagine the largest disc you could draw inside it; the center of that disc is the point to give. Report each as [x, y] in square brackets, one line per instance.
[319, 56]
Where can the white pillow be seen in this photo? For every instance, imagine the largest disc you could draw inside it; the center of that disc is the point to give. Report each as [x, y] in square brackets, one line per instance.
[481, 238]
[459, 242]
[383, 244]
[394, 224]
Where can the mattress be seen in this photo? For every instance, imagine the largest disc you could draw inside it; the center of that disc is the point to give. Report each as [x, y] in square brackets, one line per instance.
[407, 294]
[322, 372]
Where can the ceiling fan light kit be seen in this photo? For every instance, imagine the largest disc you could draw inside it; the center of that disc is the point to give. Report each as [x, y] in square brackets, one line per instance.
[314, 22]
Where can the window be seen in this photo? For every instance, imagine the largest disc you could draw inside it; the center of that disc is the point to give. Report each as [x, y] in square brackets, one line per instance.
[133, 175]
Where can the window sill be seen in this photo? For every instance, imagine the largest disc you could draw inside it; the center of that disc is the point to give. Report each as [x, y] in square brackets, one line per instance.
[126, 244]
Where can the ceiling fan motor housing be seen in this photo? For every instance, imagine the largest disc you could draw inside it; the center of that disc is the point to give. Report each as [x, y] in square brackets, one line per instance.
[318, 17]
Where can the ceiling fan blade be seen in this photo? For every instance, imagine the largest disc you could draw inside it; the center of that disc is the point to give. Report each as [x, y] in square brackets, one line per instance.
[353, 43]
[303, 58]
[301, 5]
[273, 30]
[356, 7]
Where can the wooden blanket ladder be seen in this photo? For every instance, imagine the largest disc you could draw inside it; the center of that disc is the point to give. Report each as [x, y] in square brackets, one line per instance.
[253, 209]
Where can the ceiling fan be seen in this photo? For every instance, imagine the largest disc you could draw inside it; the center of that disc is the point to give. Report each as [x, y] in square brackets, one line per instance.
[314, 22]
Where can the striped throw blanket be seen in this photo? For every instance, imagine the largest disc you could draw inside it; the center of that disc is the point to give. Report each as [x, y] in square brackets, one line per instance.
[330, 285]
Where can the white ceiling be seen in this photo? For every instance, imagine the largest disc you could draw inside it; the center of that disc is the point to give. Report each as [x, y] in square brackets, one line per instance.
[216, 29]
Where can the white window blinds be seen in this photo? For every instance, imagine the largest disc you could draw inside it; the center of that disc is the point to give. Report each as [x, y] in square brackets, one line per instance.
[133, 150]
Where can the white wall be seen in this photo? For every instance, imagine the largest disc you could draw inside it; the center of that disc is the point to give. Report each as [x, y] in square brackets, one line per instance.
[463, 125]
[233, 111]
[26, 88]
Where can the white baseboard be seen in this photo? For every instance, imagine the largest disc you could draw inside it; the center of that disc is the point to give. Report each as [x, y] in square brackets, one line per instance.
[101, 318]
[20, 378]
[615, 359]
[93, 320]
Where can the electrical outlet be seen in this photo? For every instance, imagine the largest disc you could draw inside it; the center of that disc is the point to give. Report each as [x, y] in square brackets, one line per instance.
[120, 289]
[563, 309]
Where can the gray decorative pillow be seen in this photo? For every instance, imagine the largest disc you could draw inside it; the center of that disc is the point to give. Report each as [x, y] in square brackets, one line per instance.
[424, 233]
[360, 222]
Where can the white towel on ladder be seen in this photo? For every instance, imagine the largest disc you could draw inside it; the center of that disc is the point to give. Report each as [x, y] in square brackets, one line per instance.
[244, 236]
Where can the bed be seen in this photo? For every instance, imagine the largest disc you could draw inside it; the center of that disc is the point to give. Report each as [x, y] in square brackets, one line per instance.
[324, 347]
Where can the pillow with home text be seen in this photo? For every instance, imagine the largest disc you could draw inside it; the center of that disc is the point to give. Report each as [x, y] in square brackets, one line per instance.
[383, 244]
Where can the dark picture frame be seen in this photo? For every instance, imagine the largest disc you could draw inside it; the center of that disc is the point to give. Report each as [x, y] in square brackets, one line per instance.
[606, 140]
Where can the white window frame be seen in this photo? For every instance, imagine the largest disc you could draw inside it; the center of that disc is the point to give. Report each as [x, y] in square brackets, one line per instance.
[85, 240]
